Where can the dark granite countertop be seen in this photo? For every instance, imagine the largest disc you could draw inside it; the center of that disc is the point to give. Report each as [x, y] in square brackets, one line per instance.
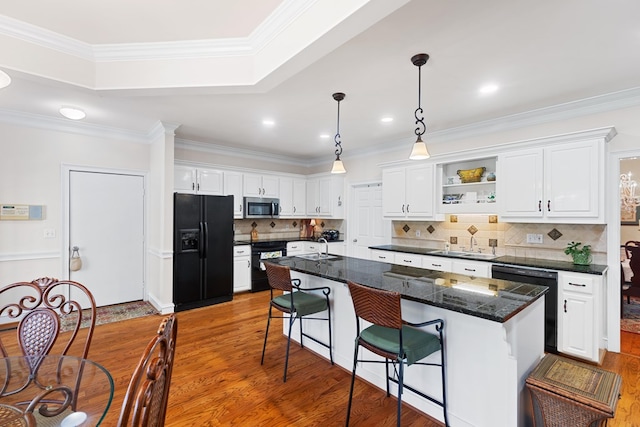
[281, 239]
[499, 301]
[504, 260]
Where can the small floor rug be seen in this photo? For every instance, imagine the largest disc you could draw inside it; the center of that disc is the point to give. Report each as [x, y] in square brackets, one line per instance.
[116, 313]
[630, 321]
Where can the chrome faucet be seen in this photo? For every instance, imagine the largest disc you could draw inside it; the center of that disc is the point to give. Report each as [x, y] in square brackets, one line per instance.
[473, 242]
[326, 246]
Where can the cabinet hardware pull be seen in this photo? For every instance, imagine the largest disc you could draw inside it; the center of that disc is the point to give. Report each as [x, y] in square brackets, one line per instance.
[193, 186]
[539, 205]
[198, 186]
[407, 260]
[407, 208]
[565, 306]
[248, 264]
[549, 205]
[582, 285]
[469, 269]
[240, 207]
[403, 208]
[436, 265]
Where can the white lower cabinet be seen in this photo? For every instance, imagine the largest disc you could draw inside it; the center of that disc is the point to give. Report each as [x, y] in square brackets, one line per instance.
[471, 268]
[579, 312]
[437, 263]
[382, 256]
[295, 248]
[241, 268]
[410, 260]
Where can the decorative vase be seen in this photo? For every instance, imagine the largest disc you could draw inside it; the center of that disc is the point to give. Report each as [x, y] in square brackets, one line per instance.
[581, 258]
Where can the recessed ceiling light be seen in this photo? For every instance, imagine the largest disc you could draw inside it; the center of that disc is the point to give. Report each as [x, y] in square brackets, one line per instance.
[5, 80]
[386, 119]
[268, 122]
[488, 89]
[72, 113]
[325, 136]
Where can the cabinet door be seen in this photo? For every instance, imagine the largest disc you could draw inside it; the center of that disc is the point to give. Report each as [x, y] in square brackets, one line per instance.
[312, 197]
[471, 268]
[411, 260]
[419, 184]
[520, 184]
[270, 186]
[299, 197]
[572, 180]
[382, 256]
[241, 274]
[436, 263]
[184, 179]
[576, 317]
[233, 187]
[286, 197]
[252, 185]
[393, 193]
[210, 182]
[325, 198]
[295, 248]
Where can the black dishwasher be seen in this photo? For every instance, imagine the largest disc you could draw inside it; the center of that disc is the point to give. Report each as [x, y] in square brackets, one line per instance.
[260, 251]
[536, 276]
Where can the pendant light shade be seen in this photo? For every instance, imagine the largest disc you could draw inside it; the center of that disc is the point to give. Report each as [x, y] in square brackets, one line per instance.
[419, 150]
[5, 80]
[338, 167]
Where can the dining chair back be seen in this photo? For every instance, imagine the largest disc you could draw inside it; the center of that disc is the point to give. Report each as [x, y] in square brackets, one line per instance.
[145, 403]
[631, 287]
[54, 316]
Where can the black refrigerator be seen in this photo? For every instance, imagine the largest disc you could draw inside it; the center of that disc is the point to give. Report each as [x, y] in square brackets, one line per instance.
[202, 250]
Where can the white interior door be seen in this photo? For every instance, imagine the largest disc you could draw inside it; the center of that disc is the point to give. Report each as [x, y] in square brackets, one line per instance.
[368, 228]
[106, 223]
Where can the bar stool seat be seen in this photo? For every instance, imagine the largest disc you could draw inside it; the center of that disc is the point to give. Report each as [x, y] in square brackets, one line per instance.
[397, 341]
[297, 303]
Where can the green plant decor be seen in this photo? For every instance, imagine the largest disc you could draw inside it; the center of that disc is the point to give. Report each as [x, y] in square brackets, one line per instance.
[581, 255]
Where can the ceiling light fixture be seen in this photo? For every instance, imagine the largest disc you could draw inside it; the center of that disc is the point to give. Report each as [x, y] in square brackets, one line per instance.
[488, 89]
[419, 150]
[338, 167]
[268, 122]
[5, 80]
[72, 113]
[386, 119]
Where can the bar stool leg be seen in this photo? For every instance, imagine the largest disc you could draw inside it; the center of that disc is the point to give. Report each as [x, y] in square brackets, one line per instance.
[353, 379]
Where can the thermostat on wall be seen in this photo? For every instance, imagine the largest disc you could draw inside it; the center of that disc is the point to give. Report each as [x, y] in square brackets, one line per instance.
[21, 212]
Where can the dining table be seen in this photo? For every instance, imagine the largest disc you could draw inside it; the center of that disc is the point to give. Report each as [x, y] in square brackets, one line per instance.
[53, 390]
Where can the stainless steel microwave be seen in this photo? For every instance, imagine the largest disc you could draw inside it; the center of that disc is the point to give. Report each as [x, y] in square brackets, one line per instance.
[259, 207]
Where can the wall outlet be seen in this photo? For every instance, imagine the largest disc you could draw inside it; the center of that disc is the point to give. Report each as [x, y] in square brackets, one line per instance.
[417, 233]
[534, 238]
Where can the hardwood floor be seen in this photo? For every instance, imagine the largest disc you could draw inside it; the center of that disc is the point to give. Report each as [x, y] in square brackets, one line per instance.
[218, 379]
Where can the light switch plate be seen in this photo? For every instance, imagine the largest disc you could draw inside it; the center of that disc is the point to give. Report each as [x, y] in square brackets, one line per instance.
[534, 238]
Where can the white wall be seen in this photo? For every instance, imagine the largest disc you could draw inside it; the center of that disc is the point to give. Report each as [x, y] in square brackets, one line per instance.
[30, 174]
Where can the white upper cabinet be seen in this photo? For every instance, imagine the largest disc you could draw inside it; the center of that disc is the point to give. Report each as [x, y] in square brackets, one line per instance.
[325, 196]
[187, 179]
[260, 185]
[292, 197]
[233, 187]
[556, 183]
[408, 192]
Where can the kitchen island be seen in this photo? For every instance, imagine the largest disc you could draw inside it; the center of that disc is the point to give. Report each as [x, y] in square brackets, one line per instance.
[494, 334]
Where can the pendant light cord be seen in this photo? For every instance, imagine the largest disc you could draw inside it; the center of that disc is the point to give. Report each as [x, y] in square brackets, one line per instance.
[421, 129]
[336, 138]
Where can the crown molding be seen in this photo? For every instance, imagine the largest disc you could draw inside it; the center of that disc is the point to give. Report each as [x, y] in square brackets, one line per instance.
[45, 38]
[64, 125]
[279, 19]
[238, 152]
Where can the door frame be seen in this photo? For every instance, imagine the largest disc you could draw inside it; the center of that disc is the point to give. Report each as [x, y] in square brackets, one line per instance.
[613, 294]
[65, 227]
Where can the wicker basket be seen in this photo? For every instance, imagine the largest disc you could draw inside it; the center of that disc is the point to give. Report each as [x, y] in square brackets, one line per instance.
[569, 393]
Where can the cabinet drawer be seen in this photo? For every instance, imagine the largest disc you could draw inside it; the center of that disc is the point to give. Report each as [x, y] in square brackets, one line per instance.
[243, 250]
[411, 260]
[382, 256]
[294, 247]
[577, 283]
[436, 263]
[471, 268]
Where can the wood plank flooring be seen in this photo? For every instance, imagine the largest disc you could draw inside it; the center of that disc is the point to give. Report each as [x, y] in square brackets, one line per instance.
[218, 379]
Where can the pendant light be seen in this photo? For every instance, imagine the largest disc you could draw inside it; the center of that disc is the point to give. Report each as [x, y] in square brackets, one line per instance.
[338, 167]
[419, 150]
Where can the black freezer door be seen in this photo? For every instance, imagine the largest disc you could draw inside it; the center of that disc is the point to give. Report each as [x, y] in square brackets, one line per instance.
[203, 250]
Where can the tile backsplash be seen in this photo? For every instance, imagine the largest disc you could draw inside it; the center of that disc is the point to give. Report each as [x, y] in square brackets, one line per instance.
[283, 228]
[507, 238]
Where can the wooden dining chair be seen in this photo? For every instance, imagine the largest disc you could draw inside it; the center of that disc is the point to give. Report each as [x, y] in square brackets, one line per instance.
[632, 287]
[145, 403]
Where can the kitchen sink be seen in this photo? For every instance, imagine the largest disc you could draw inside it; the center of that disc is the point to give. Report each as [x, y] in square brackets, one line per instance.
[470, 255]
[316, 257]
